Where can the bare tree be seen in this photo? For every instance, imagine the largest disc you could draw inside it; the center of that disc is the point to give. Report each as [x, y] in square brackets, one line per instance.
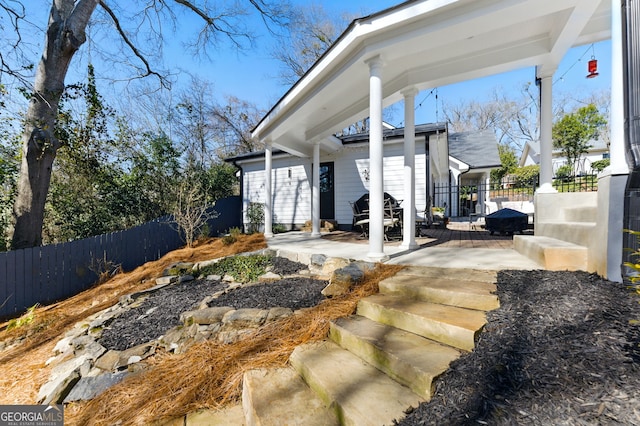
[514, 118]
[310, 33]
[191, 211]
[66, 32]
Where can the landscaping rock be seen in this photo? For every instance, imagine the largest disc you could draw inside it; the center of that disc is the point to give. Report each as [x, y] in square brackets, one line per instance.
[54, 391]
[364, 266]
[169, 279]
[63, 345]
[332, 264]
[137, 354]
[108, 361]
[277, 313]
[185, 278]
[86, 345]
[205, 316]
[317, 260]
[232, 336]
[61, 380]
[213, 278]
[79, 356]
[89, 387]
[269, 277]
[244, 318]
[342, 279]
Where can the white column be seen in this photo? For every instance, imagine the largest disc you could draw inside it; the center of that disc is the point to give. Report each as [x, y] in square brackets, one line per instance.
[608, 242]
[484, 197]
[315, 202]
[376, 155]
[409, 202]
[268, 203]
[617, 149]
[546, 141]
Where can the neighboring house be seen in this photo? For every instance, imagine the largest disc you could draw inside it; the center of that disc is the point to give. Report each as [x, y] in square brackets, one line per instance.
[472, 156]
[599, 150]
[345, 173]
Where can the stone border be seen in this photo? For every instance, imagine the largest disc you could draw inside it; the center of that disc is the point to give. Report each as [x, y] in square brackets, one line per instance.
[83, 368]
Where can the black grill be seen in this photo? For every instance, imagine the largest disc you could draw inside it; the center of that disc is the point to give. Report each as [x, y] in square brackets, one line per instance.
[506, 221]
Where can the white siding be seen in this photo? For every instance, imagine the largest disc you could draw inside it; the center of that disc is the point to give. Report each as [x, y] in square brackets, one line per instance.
[352, 165]
[292, 195]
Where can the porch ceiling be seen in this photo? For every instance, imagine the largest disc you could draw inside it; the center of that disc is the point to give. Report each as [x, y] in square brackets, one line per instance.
[426, 44]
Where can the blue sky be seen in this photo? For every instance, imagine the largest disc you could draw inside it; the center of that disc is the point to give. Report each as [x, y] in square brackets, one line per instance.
[251, 75]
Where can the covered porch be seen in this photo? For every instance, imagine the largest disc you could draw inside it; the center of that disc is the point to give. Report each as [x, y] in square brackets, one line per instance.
[392, 55]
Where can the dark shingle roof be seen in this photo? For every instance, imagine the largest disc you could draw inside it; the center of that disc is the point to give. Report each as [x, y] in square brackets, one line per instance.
[477, 149]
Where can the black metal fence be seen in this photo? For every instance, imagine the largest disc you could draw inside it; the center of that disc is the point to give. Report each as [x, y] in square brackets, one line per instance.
[461, 200]
[50, 273]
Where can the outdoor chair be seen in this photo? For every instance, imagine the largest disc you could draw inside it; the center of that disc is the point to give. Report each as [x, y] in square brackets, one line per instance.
[392, 217]
[360, 219]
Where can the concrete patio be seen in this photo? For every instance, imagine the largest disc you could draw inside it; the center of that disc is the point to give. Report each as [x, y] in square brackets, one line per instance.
[454, 247]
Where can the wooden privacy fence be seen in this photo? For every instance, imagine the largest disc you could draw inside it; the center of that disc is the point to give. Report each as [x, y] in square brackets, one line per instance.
[50, 273]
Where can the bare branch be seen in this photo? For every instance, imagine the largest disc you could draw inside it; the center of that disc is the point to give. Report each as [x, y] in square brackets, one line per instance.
[217, 24]
[134, 49]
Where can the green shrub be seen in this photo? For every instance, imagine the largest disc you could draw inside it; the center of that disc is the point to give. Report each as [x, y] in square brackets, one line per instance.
[25, 319]
[232, 236]
[278, 228]
[255, 213]
[526, 176]
[243, 269]
[600, 165]
[565, 173]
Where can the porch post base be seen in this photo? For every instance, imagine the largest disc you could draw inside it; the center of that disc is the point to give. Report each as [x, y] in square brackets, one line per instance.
[377, 257]
[547, 188]
[409, 246]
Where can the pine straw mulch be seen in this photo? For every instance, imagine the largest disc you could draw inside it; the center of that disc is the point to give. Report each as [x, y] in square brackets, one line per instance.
[209, 374]
[22, 369]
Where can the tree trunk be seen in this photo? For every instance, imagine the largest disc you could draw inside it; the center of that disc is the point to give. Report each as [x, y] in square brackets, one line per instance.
[65, 34]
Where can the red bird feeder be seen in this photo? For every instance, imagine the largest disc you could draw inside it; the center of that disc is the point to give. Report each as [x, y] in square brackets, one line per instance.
[593, 68]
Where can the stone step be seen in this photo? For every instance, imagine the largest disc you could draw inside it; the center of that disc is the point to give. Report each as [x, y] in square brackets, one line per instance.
[275, 397]
[551, 253]
[455, 292]
[450, 325]
[486, 276]
[572, 232]
[360, 394]
[409, 359]
[581, 214]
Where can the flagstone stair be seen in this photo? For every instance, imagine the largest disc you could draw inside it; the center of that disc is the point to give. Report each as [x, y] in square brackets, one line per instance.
[563, 233]
[380, 362]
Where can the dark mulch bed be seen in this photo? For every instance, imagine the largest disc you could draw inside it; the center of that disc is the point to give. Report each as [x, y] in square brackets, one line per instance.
[161, 309]
[294, 293]
[559, 350]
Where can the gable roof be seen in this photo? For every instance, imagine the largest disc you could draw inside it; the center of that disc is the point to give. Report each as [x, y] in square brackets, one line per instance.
[479, 150]
[531, 150]
[424, 44]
